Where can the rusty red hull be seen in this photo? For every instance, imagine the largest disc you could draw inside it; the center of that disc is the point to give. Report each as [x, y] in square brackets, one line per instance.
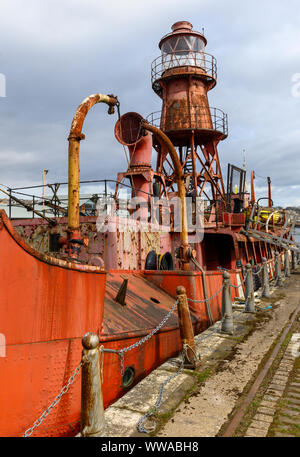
[47, 305]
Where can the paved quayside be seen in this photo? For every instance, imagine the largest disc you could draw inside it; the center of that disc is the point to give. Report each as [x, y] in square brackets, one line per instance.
[202, 403]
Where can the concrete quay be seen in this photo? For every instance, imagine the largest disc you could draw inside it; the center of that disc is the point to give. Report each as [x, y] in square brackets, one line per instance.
[200, 402]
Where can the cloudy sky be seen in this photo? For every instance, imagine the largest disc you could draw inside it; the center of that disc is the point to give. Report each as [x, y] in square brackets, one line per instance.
[55, 53]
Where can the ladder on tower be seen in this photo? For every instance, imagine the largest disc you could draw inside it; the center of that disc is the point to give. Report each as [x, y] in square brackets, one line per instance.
[188, 170]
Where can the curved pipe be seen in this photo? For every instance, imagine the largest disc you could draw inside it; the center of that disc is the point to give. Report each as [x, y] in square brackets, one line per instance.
[269, 218]
[181, 189]
[74, 138]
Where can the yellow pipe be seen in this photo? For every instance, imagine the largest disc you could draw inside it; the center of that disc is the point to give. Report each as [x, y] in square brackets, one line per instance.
[74, 138]
[181, 188]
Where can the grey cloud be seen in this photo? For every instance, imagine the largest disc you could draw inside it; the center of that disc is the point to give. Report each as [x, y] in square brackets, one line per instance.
[55, 53]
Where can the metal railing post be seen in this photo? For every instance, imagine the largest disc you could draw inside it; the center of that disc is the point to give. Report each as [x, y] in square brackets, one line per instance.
[249, 291]
[278, 278]
[287, 271]
[9, 208]
[186, 329]
[265, 279]
[227, 317]
[92, 411]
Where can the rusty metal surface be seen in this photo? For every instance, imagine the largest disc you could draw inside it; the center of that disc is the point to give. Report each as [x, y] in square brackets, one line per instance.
[192, 282]
[128, 128]
[186, 329]
[82, 110]
[126, 249]
[75, 136]
[46, 305]
[146, 305]
[165, 141]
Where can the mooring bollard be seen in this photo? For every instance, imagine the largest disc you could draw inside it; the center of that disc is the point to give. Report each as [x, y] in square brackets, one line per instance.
[287, 271]
[227, 317]
[249, 291]
[186, 329]
[265, 292]
[92, 411]
[278, 278]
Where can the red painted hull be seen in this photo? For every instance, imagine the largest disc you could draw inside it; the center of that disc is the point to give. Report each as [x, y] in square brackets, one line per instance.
[47, 305]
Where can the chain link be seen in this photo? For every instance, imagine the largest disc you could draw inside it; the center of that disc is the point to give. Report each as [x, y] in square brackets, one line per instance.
[140, 427]
[121, 352]
[239, 285]
[56, 400]
[207, 299]
[257, 272]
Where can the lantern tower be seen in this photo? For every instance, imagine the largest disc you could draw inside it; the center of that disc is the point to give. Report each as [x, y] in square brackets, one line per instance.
[182, 76]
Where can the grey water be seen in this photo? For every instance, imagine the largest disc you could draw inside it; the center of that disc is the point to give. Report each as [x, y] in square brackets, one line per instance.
[296, 234]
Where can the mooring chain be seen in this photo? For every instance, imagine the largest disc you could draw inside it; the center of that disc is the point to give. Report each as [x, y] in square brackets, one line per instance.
[140, 427]
[121, 352]
[239, 285]
[56, 400]
[206, 299]
[257, 272]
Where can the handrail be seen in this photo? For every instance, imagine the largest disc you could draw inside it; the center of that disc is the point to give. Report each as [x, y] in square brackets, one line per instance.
[195, 59]
[197, 118]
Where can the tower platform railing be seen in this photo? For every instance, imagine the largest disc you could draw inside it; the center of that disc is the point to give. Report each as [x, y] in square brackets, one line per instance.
[197, 60]
[199, 118]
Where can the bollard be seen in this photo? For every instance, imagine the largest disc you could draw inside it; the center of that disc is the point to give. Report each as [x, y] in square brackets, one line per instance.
[287, 271]
[249, 291]
[265, 292]
[92, 411]
[227, 318]
[278, 278]
[186, 329]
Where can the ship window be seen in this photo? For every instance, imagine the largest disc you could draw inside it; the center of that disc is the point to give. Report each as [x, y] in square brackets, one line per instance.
[128, 377]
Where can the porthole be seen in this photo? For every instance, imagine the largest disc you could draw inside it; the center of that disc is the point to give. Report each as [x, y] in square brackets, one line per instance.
[154, 300]
[128, 377]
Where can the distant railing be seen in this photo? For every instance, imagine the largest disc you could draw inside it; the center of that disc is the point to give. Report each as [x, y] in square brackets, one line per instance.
[197, 60]
[56, 204]
[200, 117]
